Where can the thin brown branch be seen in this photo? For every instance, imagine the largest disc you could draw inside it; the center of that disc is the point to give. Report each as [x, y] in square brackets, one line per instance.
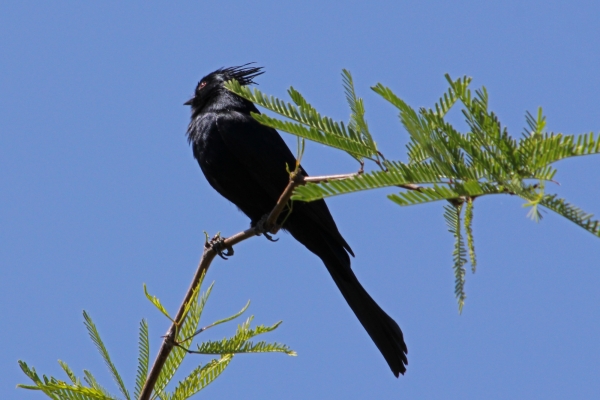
[408, 186]
[411, 186]
[207, 257]
[169, 339]
[327, 178]
[295, 181]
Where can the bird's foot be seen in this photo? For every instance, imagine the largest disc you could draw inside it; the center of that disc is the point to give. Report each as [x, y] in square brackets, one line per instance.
[262, 229]
[269, 237]
[217, 243]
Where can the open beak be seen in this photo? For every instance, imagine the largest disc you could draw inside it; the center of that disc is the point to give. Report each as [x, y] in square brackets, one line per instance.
[189, 102]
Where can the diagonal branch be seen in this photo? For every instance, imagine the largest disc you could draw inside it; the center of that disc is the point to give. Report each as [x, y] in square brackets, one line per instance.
[207, 257]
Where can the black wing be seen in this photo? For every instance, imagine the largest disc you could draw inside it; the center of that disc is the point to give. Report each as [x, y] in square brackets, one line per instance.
[265, 155]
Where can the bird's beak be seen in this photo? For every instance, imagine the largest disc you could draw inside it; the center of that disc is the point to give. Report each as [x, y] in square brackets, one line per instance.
[189, 102]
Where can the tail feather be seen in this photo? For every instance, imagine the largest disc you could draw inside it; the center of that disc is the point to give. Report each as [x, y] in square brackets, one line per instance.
[382, 329]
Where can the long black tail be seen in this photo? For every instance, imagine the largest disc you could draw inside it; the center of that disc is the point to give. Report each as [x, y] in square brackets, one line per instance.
[384, 331]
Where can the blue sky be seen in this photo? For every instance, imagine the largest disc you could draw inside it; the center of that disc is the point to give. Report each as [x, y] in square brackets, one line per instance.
[99, 193]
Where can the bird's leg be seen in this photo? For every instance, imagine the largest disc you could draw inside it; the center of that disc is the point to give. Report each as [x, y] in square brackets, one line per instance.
[262, 229]
[218, 245]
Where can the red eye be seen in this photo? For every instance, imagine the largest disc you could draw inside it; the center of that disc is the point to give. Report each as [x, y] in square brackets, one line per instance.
[201, 85]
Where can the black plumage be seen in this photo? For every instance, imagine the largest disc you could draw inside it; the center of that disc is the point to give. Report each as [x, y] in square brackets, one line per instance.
[246, 163]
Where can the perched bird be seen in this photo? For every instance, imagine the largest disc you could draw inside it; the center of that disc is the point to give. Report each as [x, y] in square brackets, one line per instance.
[246, 163]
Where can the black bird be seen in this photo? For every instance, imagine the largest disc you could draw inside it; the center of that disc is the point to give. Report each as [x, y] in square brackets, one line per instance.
[246, 163]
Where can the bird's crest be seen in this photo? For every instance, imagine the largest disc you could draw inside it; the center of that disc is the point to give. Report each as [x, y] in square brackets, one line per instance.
[244, 75]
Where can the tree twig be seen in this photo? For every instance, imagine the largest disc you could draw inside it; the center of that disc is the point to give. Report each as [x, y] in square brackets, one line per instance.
[327, 178]
[411, 186]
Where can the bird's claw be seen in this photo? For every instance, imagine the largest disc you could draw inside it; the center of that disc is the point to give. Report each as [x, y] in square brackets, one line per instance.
[262, 229]
[269, 237]
[218, 245]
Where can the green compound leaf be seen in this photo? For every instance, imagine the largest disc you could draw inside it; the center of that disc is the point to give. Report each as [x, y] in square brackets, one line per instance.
[59, 390]
[69, 372]
[143, 358]
[154, 300]
[357, 108]
[452, 217]
[95, 336]
[572, 213]
[308, 124]
[201, 377]
[469, 231]
[239, 343]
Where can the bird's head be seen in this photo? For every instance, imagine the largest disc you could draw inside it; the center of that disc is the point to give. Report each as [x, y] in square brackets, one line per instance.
[211, 85]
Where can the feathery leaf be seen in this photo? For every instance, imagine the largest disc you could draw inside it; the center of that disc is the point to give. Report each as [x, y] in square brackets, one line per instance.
[309, 123]
[452, 216]
[143, 358]
[469, 231]
[154, 300]
[572, 213]
[95, 336]
[357, 108]
[69, 372]
[201, 377]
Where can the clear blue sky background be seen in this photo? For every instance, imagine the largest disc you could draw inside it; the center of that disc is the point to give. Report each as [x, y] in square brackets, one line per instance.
[99, 193]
